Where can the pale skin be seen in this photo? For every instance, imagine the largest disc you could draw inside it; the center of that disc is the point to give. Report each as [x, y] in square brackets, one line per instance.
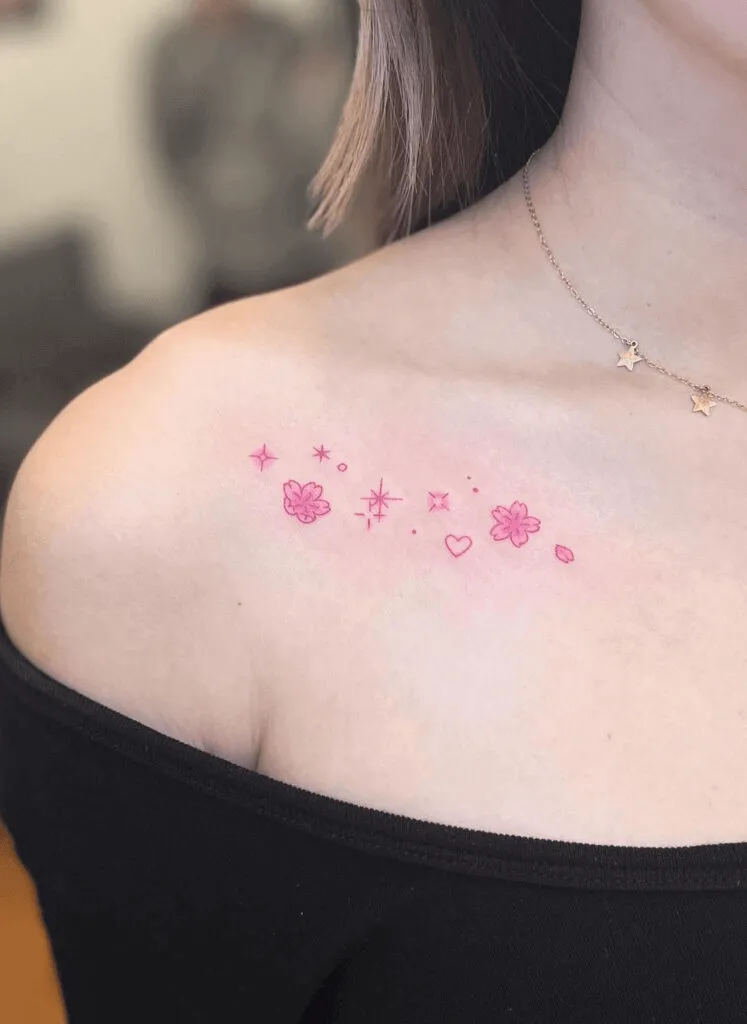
[147, 560]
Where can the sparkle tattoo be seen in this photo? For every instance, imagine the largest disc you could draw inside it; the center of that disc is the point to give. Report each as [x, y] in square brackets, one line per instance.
[262, 456]
[378, 501]
[438, 502]
[306, 503]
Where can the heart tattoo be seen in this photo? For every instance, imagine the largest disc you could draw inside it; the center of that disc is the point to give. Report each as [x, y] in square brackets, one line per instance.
[457, 546]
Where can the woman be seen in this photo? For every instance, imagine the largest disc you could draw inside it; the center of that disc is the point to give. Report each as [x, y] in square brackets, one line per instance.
[375, 649]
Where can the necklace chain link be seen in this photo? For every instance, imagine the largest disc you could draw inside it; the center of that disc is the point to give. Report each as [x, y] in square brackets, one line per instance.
[631, 343]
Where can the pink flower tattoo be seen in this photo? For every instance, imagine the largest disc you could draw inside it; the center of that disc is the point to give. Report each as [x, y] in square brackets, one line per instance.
[564, 554]
[304, 501]
[513, 524]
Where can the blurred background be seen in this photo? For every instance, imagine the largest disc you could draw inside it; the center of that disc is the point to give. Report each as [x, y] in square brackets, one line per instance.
[155, 161]
[156, 156]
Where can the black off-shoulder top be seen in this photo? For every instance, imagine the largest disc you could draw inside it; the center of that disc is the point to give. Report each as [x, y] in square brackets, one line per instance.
[176, 887]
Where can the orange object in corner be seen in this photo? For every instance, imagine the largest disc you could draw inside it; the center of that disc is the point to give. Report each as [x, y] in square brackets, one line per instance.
[29, 989]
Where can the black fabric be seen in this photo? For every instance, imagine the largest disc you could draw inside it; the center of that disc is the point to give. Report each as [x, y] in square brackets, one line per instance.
[178, 887]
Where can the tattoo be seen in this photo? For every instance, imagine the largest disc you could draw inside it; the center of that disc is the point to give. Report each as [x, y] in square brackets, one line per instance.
[513, 524]
[438, 502]
[378, 501]
[262, 456]
[307, 504]
[457, 546]
[321, 453]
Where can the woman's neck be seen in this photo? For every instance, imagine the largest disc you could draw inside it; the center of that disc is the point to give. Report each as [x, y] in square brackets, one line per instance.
[643, 189]
[666, 103]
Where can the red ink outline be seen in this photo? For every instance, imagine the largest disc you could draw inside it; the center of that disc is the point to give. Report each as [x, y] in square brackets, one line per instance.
[379, 500]
[564, 554]
[342, 467]
[514, 524]
[438, 501]
[454, 543]
[262, 456]
[305, 501]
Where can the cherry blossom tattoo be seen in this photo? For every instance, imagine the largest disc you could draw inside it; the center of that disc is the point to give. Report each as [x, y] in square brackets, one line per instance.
[262, 456]
[513, 524]
[307, 504]
[564, 554]
[304, 501]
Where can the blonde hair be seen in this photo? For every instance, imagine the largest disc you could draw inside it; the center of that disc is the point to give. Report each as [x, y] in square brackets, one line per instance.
[446, 96]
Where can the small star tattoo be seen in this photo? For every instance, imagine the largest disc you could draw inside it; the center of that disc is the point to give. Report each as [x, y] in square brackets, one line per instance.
[438, 502]
[702, 402]
[321, 453]
[262, 456]
[629, 358]
[378, 501]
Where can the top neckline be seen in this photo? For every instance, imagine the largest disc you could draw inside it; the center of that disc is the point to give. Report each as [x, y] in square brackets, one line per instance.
[558, 863]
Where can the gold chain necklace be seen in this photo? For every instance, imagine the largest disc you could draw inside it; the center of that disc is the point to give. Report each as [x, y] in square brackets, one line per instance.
[702, 397]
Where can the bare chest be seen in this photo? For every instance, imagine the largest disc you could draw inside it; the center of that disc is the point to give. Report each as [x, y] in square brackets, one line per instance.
[578, 720]
[509, 665]
[542, 633]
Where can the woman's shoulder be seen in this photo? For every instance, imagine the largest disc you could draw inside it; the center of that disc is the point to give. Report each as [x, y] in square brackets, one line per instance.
[388, 300]
[123, 515]
[113, 529]
[114, 532]
[131, 455]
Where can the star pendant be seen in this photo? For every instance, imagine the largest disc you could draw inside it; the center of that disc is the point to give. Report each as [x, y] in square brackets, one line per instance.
[702, 402]
[629, 358]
